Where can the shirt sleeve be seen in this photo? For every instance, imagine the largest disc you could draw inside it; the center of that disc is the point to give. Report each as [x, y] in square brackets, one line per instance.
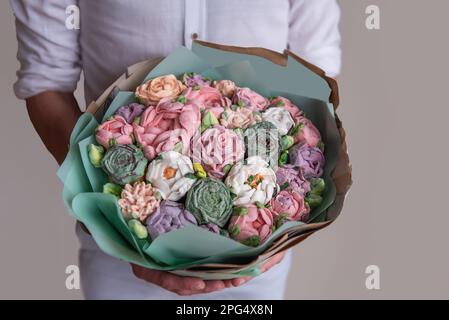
[314, 33]
[48, 51]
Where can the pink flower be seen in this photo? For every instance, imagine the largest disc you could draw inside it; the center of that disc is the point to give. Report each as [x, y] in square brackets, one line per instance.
[207, 98]
[306, 132]
[114, 131]
[294, 111]
[239, 118]
[250, 99]
[289, 206]
[226, 87]
[162, 127]
[163, 87]
[216, 148]
[251, 225]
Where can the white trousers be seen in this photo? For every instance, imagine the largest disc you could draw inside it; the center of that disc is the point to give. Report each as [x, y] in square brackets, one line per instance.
[104, 277]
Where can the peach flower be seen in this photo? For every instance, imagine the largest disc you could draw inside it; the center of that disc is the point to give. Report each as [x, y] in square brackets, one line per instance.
[163, 87]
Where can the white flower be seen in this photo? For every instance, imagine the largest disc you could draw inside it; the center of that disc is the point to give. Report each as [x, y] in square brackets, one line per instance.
[280, 117]
[167, 173]
[252, 182]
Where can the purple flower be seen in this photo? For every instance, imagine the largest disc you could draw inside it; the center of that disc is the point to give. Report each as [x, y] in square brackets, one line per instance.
[130, 112]
[310, 160]
[195, 80]
[291, 178]
[168, 217]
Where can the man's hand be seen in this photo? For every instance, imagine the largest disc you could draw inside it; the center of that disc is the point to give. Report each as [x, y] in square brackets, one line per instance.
[186, 286]
[54, 114]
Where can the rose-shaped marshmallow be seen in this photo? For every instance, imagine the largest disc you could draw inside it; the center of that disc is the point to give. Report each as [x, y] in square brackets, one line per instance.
[163, 87]
[280, 117]
[310, 160]
[250, 99]
[192, 80]
[210, 202]
[226, 87]
[251, 225]
[216, 148]
[289, 206]
[306, 132]
[114, 131]
[207, 98]
[290, 178]
[286, 104]
[262, 140]
[169, 216]
[130, 112]
[169, 173]
[162, 127]
[138, 201]
[124, 164]
[237, 117]
[252, 182]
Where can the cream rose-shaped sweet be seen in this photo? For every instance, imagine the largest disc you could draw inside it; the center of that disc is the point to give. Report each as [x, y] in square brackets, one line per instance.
[208, 98]
[138, 201]
[226, 87]
[246, 97]
[286, 104]
[166, 126]
[216, 148]
[305, 131]
[154, 90]
[280, 117]
[114, 131]
[289, 206]
[252, 182]
[238, 117]
[171, 173]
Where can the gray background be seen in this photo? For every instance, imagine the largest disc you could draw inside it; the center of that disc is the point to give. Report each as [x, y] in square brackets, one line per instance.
[394, 107]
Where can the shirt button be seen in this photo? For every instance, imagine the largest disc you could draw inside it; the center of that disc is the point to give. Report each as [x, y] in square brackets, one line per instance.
[194, 36]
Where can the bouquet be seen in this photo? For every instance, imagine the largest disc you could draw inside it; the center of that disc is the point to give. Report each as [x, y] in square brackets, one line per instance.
[207, 163]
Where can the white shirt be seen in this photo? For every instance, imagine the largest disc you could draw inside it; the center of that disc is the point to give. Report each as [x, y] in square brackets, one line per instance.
[117, 33]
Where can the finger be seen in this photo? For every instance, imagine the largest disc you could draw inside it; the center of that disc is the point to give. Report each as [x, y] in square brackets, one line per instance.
[240, 281]
[211, 286]
[274, 260]
[214, 285]
[228, 283]
[167, 280]
[177, 283]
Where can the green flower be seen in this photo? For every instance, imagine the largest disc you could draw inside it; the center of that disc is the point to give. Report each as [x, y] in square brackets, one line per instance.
[283, 158]
[208, 120]
[286, 142]
[138, 229]
[314, 200]
[317, 186]
[124, 164]
[210, 202]
[112, 188]
[96, 154]
[253, 241]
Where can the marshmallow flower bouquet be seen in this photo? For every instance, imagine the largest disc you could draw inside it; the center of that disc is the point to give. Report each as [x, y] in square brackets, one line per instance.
[206, 163]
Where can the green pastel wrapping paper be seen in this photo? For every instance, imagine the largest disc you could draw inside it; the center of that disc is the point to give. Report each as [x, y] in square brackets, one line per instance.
[184, 251]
